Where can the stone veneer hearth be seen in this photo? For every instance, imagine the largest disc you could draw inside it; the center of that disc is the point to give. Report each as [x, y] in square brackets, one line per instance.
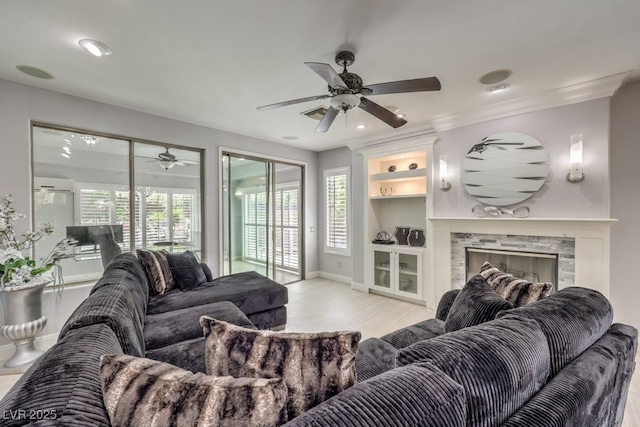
[591, 247]
[563, 247]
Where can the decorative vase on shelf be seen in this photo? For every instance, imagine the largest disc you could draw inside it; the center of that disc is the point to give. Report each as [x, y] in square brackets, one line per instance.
[416, 238]
[402, 234]
[23, 320]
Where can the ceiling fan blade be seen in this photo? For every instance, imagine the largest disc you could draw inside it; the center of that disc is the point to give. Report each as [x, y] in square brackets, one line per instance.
[326, 121]
[382, 113]
[403, 86]
[293, 101]
[329, 75]
[185, 162]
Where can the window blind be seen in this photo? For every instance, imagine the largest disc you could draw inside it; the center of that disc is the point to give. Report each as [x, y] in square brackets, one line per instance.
[337, 211]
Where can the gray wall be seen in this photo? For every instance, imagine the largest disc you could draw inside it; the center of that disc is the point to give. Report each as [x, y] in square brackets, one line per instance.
[558, 198]
[331, 263]
[20, 104]
[625, 204]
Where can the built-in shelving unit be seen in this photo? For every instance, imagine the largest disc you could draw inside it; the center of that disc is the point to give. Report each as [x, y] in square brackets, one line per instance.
[397, 190]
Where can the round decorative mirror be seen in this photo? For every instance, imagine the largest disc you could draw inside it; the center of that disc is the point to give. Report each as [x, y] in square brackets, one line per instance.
[505, 169]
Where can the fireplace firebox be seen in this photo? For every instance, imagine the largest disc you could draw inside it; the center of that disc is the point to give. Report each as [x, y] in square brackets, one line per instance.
[531, 266]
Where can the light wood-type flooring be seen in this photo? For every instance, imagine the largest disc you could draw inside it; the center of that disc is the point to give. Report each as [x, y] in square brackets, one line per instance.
[323, 305]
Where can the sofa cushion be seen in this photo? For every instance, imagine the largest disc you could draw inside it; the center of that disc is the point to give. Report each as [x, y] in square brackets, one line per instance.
[414, 395]
[163, 329]
[186, 270]
[476, 303]
[518, 291]
[572, 319]
[274, 318]
[374, 357]
[595, 380]
[158, 272]
[126, 269]
[487, 360]
[144, 392]
[444, 305]
[114, 306]
[314, 366]
[412, 334]
[65, 382]
[251, 292]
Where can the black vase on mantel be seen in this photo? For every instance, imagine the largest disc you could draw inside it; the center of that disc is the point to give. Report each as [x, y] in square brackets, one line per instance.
[416, 238]
[402, 235]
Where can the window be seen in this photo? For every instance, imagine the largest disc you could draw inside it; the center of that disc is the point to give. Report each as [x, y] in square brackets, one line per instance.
[286, 224]
[101, 204]
[337, 215]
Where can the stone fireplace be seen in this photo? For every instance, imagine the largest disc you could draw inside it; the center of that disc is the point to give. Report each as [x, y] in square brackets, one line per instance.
[582, 247]
[535, 258]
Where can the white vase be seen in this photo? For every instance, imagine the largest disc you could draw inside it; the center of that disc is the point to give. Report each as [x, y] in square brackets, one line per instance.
[23, 320]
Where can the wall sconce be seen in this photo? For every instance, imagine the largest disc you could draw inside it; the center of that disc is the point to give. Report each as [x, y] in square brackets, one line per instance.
[445, 185]
[575, 159]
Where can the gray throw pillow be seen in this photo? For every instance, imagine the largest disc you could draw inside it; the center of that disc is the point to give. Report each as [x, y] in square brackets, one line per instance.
[156, 267]
[476, 303]
[314, 366]
[145, 392]
[186, 270]
[518, 291]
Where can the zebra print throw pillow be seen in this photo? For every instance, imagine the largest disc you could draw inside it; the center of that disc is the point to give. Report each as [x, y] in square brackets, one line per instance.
[517, 291]
[156, 266]
[145, 392]
[314, 366]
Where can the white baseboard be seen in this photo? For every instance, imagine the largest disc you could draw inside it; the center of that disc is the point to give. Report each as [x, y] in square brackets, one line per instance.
[311, 275]
[359, 287]
[335, 277]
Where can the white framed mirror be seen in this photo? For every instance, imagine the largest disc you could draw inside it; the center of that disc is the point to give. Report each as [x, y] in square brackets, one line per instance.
[505, 169]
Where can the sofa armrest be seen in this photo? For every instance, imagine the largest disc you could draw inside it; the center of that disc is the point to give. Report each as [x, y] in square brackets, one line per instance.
[207, 272]
[445, 303]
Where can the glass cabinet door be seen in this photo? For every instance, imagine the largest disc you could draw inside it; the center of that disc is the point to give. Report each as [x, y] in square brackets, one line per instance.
[382, 269]
[408, 268]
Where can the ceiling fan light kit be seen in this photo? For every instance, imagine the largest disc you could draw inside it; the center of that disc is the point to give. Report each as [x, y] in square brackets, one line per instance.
[346, 91]
[168, 160]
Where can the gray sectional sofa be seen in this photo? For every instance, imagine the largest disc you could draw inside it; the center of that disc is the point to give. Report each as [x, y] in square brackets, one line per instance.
[556, 362]
[63, 388]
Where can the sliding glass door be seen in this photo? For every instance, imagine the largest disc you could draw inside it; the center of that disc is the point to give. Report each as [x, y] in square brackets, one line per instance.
[99, 188]
[262, 212]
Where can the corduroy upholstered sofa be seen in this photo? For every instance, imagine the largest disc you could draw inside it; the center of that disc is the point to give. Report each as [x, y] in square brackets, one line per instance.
[556, 362]
[62, 387]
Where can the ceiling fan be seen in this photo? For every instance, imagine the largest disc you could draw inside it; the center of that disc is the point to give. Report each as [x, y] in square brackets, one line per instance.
[346, 91]
[168, 160]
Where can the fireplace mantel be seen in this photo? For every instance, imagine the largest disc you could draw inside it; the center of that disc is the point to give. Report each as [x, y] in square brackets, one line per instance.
[592, 245]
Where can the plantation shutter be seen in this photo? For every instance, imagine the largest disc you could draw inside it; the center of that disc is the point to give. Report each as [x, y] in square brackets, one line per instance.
[337, 211]
[94, 206]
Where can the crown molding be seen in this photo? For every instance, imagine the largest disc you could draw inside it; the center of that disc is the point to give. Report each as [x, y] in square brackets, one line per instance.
[417, 138]
[573, 94]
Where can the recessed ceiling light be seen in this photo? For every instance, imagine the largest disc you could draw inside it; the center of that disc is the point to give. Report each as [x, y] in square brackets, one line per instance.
[34, 72]
[361, 126]
[94, 47]
[494, 77]
[498, 89]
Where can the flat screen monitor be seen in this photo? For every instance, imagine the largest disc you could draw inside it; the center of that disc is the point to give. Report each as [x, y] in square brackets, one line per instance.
[91, 234]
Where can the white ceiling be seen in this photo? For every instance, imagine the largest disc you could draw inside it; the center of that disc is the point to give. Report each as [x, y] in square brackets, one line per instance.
[213, 62]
